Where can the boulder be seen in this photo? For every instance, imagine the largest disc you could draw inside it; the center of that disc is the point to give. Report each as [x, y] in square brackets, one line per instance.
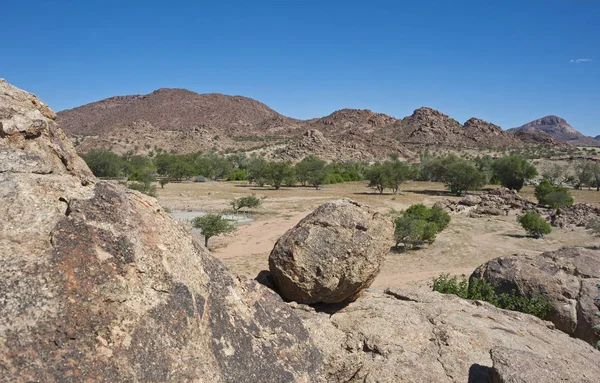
[404, 335]
[566, 277]
[332, 254]
[470, 200]
[98, 283]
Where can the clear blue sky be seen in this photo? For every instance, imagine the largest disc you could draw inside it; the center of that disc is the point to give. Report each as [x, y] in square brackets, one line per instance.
[507, 61]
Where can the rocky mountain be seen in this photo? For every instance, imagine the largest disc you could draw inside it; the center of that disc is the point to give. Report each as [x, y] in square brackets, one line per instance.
[175, 110]
[178, 120]
[428, 126]
[539, 138]
[559, 129]
[99, 283]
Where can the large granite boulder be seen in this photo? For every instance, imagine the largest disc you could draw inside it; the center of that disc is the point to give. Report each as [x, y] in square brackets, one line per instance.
[413, 336]
[98, 283]
[332, 254]
[568, 278]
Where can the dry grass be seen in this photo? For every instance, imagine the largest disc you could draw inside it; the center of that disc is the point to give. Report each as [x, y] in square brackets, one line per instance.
[465, 244]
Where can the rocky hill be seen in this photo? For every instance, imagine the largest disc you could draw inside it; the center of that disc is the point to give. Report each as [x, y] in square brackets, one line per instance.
[539, 138]
[559, 129]
[176, 110]
[178, 120]
[428, 126]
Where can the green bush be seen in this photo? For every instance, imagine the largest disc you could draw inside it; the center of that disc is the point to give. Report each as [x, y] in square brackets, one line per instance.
[143, 187]
[212, 225]
[419, 225]
[237, 175]
[535, 225]
[482, 290]
[513, 171]
[249, 201]
[552, 195]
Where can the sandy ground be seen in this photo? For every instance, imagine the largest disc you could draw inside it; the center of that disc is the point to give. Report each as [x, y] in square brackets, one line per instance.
[464, 245]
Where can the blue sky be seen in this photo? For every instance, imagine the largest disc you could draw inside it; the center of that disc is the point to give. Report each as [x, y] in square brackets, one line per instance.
[507, 62]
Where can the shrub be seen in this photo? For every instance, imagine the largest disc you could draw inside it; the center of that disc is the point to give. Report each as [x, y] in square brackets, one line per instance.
[143, 187]
[249, 201]
[163, 182]
[237, 175]
[552, 195]
[212, 225]
[419, 225]
[482, 290]
[534, 224]
[513, 171]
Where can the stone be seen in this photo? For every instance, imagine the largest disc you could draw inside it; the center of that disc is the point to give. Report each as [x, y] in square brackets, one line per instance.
[518, 366]
[99, 283]
[566, 277]
[332, 254]
[408, 335]
[470, 200]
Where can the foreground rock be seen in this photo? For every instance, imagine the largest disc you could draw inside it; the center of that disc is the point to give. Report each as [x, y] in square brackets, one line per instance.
[566, 277]
[332, 254]
[98, 283]
[411, 336]
[499, 201]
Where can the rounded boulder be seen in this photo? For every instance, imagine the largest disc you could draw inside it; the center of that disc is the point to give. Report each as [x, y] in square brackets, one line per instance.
[332, 254]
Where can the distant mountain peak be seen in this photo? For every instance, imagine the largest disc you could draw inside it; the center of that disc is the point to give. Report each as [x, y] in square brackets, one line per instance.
[558, 128]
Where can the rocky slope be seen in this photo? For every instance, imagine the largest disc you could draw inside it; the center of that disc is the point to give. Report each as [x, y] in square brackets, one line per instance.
[428, 126]
[559, 129]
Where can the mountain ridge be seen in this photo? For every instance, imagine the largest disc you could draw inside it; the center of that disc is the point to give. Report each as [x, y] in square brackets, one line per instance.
[179, 120]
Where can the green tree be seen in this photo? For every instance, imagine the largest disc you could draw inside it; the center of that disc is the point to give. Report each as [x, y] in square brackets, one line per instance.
[399, 172]
[311, 170]
[535, 225]
[104, 163]
[212, 225]
[379, 177]
[163, 182]
[584, 174]
[552, 195]
[512, 171]
[461, 176]
[279, 173]
[249, 201]
[419, 225]
[257, 169]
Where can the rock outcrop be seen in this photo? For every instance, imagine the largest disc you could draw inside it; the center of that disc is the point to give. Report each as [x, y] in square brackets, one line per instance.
[413, 336]
[332, 254]
[98, 283]
[499, 201]
[575, 215]
[567, 278]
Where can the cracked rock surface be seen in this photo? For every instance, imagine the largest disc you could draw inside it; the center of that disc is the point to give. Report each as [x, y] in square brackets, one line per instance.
[98, 283]
[413, 336]
[567, 278]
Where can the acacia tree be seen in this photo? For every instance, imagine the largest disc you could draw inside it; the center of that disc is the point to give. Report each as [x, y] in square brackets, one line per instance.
[279, 172]
[212, 225]
[249, 201]
[513, 171]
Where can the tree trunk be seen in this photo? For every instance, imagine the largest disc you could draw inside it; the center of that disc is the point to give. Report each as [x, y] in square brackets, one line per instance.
[206, 242]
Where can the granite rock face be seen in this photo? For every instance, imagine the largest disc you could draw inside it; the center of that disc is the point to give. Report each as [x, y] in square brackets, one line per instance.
[98, 283]
[332, 254]
[566, 277]
[404, 335]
